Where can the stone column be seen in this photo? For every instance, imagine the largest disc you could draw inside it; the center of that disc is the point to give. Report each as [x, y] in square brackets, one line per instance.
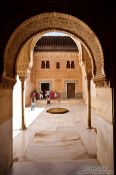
[89, 77]
[22, 79]
[6, 139]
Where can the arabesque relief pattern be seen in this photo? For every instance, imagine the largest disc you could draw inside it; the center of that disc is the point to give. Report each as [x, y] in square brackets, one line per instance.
[101, 82]
[51, 21]
[7, 82]
[87, 61]
[64, 55]
[23, 59]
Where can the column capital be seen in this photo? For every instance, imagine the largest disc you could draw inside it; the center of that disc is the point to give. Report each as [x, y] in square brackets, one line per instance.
[7, 82]
[89, 76]
[101, 81]
[22, 78]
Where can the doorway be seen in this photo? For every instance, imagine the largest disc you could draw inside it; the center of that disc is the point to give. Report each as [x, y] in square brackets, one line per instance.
[70, 90]
[45, 87]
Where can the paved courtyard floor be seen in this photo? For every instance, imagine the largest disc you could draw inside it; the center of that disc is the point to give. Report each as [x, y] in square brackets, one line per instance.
[55, 144]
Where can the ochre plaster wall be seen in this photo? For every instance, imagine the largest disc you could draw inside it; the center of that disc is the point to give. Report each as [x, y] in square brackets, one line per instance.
[58, 77]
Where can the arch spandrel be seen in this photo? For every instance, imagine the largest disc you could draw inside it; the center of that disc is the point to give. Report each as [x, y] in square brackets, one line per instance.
[89, 65]
[24, 59]
[48, 21]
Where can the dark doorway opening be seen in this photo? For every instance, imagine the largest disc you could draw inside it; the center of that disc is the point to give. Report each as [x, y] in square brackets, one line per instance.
[44, 88]
[70, 90]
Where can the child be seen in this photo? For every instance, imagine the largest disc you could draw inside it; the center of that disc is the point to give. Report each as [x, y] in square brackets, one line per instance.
[48, 99]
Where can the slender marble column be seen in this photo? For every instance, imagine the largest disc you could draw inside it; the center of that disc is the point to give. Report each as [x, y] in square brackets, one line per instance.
[22, 79]
[89, 101]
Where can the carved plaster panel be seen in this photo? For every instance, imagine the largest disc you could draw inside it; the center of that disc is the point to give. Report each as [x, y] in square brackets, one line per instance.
[23, 59]
[101, 82]
[58, 54]
[51, 21]
[87, 62]
[6, 82]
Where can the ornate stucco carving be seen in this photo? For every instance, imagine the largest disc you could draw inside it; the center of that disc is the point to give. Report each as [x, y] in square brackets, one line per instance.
[53, 21]
[101, 81]
[58, 54]
[87, 61]
[23, 59]
[6, 82]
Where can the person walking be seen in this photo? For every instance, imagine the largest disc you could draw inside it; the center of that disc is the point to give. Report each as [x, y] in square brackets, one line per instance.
[32, 103]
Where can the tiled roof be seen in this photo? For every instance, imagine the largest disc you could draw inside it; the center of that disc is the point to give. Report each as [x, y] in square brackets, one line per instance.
[55, 43]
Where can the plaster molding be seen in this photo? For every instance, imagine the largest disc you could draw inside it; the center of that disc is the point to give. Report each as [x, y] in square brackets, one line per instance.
[59, 54]
[7, 82]
[23, 59]
[101, 82]
[87, 63]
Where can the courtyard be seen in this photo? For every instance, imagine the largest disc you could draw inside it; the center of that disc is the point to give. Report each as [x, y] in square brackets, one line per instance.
[55, 143]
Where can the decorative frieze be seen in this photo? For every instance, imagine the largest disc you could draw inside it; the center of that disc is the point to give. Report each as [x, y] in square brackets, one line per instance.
[7, 82]
[57, 54]
[22, 78]
[87, 61]
[101, 81]
[23, 60]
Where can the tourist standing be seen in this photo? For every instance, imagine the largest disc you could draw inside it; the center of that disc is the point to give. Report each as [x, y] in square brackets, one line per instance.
[48, 99]
[33, 103]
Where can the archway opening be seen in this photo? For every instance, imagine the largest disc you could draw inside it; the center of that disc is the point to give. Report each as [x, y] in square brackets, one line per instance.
[38, 134]
[90, 48]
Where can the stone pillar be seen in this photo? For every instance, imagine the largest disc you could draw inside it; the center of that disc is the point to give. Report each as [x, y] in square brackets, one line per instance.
[6, 139]
[89, 77]
[22, 79]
